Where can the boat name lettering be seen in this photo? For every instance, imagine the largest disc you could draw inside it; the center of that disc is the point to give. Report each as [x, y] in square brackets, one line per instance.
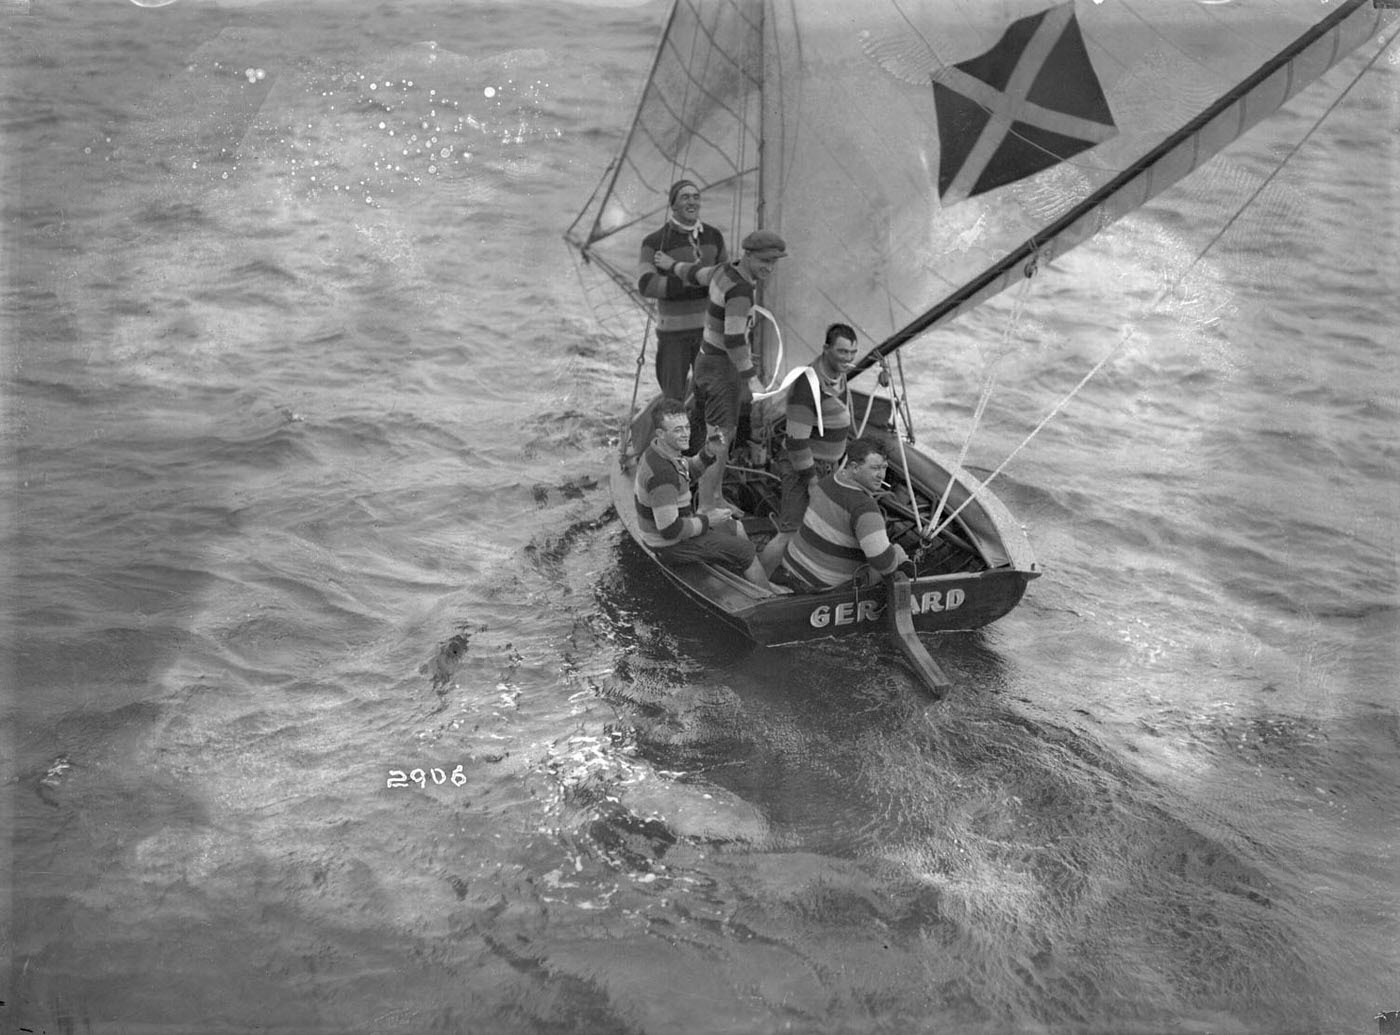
[934, 600]
[848, 612]
[851, 611]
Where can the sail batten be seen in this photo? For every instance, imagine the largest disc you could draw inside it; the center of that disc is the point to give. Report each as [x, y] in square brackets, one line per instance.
[919, 155]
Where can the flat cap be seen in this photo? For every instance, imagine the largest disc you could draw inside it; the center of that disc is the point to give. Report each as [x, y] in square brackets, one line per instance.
[767, 242]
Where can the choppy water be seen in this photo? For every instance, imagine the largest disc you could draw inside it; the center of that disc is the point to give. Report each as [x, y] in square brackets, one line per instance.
[306, 418]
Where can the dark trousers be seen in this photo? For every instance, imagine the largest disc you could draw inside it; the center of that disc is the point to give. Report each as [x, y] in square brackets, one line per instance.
[717, 393]
[675, 355]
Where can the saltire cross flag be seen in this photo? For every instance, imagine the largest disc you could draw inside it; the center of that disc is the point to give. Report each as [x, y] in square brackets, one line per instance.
[1030, 102]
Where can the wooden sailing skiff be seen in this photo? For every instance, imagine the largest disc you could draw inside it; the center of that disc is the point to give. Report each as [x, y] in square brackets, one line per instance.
[977, 573]
[920, 157]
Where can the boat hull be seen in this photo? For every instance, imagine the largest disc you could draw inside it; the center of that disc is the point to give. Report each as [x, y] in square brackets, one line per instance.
[944, 603]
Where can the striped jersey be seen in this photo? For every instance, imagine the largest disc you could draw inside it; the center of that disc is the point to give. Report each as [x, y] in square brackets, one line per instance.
[662, 494]
[727, 315]
[810, 438]
[680, 306]
[842, 531]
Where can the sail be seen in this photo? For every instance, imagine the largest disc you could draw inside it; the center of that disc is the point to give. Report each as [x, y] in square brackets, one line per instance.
[920, 156]
[700, 116]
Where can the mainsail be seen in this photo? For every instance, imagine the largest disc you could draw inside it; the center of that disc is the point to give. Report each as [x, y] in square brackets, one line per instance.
[920, 156]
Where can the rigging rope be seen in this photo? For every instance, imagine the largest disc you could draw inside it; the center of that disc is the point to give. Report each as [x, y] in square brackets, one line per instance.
[902, 399]
[903, 456]
[870, 403]
[989, 380]
[1129, 333]
[624, 438]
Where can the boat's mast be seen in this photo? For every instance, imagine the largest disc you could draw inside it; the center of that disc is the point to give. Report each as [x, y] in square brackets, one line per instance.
[767, 121]
[764, 99]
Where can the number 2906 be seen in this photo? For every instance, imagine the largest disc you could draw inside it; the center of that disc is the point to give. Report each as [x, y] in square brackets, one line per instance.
[422, 777]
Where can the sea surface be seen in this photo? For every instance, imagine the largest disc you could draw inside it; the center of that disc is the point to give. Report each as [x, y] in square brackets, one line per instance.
[334, 700]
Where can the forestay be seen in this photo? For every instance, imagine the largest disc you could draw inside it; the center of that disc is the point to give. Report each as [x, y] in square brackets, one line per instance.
[921, 155]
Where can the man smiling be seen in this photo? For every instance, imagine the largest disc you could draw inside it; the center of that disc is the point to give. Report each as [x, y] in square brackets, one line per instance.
[669, 523]
[680, 307]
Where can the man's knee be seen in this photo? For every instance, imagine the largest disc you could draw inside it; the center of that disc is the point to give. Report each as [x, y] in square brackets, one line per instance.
[741, 552]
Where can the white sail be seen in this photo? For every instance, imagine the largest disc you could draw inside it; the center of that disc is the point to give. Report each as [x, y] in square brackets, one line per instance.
[919, 155]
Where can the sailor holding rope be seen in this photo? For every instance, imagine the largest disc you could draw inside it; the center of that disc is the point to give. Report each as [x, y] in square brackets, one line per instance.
[725, 377]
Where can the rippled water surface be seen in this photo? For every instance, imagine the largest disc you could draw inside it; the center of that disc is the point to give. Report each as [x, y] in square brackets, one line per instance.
[337, 702]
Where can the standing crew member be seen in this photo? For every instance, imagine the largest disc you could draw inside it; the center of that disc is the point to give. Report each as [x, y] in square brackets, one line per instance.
[680, 308]
[725, 376]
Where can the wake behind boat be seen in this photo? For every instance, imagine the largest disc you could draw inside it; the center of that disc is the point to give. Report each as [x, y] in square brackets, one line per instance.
[919, 157]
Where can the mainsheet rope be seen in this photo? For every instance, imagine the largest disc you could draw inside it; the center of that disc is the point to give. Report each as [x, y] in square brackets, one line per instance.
[1131, 331]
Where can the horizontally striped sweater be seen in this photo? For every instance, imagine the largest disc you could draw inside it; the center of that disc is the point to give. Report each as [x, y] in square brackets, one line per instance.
[727, 314]
[811, 436]
[662, 494]
[842, 530]
[680, 306]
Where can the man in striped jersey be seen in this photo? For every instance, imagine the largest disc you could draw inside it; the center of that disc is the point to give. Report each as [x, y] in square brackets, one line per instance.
[725, 376]
[680, 307]
[843, 533]
[818, 423]
[668, 521]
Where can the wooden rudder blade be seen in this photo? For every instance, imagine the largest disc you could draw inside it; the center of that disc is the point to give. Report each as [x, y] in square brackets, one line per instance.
[907, 640]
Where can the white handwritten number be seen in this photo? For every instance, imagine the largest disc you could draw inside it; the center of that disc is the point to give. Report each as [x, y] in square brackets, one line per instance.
[439, 775]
